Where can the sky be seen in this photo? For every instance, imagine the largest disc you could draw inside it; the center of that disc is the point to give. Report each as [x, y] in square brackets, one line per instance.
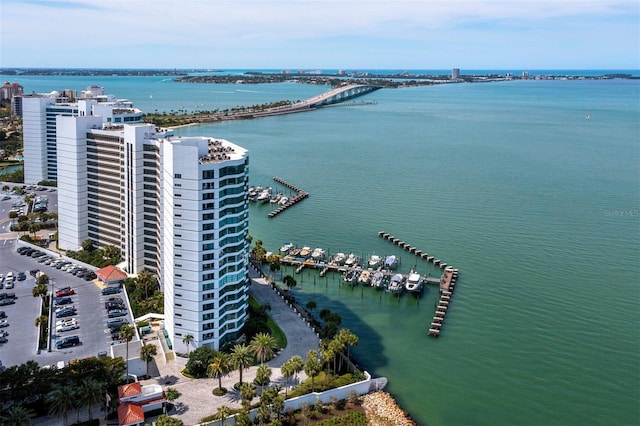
[321, 34]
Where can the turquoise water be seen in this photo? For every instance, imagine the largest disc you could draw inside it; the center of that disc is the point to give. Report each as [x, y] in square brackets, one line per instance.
[537, 206]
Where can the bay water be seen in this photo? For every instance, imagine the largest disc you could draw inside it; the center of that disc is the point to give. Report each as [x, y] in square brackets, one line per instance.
[530, 188]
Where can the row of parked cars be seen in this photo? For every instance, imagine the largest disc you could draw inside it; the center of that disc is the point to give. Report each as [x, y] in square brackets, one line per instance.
[65, 317]
[10, 279]
[55, 262]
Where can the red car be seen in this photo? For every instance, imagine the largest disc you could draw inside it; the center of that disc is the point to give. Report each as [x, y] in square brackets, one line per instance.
[67, 291]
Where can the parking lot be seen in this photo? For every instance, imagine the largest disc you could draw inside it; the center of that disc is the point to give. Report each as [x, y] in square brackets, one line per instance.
[88, 301]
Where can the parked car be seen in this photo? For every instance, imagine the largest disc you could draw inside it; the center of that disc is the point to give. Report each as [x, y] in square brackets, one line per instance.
[66, 321]
[63, 301]
[3, 314]
[67, 327]
[4, 323]
[66, 291]
[3, 340]
[116, 313]
[66, 312]
[110, 290]
[68, 341]
[110, 306]
[7, 301]
[89, 275]
[116, 322]
[9, 277]
[22, 276]
[34, 272]
[8, 284]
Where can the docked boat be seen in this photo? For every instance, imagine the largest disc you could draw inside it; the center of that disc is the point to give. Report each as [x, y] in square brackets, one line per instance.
[365, 277]
[318, 254]
[386, 280]
[339, 258]
[295, 252]
[397, 284]
[391, 262]
[264, 196]
[305, 252]
[414, 282]
[285, 248]
[376, 279]
[283, 200]
[374, 261]
[352, 260]
[350, 276]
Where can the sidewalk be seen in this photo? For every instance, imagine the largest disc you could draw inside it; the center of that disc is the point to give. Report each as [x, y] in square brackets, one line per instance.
[197, 400]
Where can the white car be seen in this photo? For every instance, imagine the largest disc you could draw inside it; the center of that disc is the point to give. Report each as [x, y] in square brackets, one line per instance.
[67, 327]
[66, 321]
[4, 323]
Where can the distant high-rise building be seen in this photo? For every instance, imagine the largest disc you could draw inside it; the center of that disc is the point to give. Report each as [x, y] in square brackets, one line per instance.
[39, 112]
[9, 90]
[455, 73]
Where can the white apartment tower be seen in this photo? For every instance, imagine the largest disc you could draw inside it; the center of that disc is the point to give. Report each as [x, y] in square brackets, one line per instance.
[39, 112]
[175, 206]
[204, 247]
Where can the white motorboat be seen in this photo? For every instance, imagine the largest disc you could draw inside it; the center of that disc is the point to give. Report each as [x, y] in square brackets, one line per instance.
[376, 280]
[397, 284]
[365, 277]
[283, 200]
[350, 276]
[391, 262]
[284, 249]
[352, 260]
[339, 258]
[317, 254]
[414, 282]
[374, 261]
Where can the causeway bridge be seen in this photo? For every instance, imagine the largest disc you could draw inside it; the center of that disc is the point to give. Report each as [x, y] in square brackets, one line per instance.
[332, 97]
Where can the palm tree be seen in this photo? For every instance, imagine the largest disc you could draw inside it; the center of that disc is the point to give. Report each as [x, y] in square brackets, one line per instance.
[347, 338]
[289, 281]
[218, 368]
[247, 393]
[17, 415]
[126, 334]
[297, 364]
[263, 345]
[223, 412]
[39, 290]
[146, 281]
[263, 375]
[312, 366]
[91, 393]
[287, 372]
[241, 358]
[187, 341]
[60, 401]
[147, 352]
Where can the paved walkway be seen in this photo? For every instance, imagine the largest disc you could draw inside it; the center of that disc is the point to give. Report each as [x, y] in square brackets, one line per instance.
[196, 400]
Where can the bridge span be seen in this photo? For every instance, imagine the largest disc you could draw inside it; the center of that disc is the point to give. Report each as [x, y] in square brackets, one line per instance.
[332, 97]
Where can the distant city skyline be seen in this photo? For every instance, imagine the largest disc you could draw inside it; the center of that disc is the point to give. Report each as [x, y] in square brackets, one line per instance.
[324, 34]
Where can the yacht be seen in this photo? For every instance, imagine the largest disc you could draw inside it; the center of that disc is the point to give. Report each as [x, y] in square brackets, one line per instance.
[414, 282]
[397, 284]
[374, 261]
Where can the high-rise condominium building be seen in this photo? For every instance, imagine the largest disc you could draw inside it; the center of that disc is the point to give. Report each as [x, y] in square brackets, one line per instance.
[175, 206]
[39, 112]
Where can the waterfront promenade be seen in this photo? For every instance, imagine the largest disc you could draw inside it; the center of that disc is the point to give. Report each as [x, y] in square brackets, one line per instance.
[196, 399]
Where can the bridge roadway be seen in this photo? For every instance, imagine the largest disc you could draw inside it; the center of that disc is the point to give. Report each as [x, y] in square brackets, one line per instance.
[334, 96]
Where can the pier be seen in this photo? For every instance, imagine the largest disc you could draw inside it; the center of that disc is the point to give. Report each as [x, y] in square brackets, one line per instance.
[446, 283]
[299, 196]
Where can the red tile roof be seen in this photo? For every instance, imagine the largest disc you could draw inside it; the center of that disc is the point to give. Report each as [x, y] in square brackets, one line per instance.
[111, 273]
[129, 389]
[129, 414]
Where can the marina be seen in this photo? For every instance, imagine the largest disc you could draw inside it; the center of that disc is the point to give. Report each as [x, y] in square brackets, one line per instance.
[263, 195]
[378, 272]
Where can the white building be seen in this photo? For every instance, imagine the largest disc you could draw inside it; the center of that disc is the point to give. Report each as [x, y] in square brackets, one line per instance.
[175, 206]
[455, 73]
[39, 112]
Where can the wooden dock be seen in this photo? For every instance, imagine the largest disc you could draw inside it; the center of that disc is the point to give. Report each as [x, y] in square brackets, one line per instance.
[446, 283]
[300, 195]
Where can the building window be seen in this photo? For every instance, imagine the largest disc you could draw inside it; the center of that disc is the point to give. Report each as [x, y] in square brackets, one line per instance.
[177, 176]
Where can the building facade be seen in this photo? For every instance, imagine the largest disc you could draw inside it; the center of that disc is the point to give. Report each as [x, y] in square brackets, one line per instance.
[39, 112]
[175, 206]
